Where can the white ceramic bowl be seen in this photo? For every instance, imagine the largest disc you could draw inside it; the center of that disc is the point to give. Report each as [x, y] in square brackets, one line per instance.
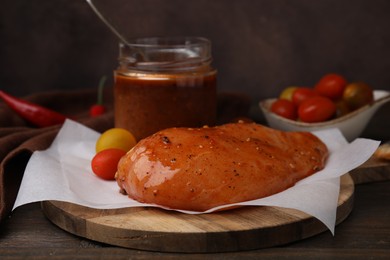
[351, 125]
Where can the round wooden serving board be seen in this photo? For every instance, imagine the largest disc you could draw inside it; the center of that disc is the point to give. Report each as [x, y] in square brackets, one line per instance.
[148, 228]
[373, 170]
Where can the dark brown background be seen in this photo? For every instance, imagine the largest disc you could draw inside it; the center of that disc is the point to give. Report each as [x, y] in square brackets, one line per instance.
[259, 46]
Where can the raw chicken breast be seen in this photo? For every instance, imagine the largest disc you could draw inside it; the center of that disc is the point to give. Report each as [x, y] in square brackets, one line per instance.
[201, 168]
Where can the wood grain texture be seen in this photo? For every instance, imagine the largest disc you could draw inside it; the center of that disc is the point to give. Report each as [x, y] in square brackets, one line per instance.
[365, 234]
[168, 231]
[373, 170]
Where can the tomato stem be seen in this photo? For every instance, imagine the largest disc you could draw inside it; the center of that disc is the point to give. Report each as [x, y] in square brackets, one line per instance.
[100, 90]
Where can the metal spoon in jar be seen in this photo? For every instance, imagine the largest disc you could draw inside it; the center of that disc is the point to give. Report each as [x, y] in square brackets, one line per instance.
[139, 59]
[120, 36]
[112, 28]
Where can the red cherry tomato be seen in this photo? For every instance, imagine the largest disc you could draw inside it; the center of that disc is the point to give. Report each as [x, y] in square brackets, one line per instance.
[331, 86]
[284, 108]
[316, 109]
[105, 163]
[301, 94]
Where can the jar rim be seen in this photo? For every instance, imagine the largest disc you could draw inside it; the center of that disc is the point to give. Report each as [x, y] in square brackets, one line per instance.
[165, 53]
[168, 42]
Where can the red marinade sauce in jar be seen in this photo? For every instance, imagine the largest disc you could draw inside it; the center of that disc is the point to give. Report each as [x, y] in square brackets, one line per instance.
[181, 96]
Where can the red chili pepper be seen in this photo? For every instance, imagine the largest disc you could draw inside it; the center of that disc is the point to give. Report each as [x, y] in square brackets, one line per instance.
[35, 114]
[99, 108]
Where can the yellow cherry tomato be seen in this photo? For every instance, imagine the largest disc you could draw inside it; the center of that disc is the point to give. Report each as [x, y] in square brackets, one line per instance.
[287, 93]
[118, 138]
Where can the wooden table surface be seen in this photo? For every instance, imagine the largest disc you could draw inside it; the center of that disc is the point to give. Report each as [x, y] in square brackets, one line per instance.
[365, 234]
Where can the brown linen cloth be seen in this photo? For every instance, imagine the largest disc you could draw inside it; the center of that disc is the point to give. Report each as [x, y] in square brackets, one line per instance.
[18, 139]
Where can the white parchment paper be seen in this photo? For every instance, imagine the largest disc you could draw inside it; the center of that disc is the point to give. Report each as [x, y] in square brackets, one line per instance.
[63, 173]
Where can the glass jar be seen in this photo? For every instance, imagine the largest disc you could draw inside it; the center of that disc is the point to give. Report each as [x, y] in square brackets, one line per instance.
[164, 82]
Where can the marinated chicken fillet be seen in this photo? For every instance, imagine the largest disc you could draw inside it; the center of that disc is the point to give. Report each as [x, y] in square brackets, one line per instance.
[201, 168]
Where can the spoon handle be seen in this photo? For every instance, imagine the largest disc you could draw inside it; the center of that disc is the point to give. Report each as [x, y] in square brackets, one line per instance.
[105, 21]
